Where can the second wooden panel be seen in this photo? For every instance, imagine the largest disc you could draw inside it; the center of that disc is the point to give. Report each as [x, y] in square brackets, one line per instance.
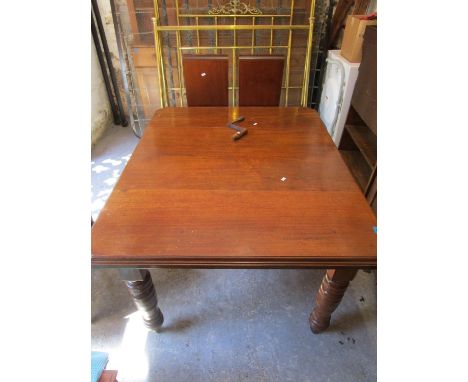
[260, 80]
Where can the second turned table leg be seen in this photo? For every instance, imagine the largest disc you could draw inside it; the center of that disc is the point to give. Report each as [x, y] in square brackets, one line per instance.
[141, 288]
[334, 285]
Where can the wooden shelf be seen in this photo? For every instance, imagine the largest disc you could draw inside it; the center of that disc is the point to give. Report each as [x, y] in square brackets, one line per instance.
[358, 144]
[358, 167]
[365, 140]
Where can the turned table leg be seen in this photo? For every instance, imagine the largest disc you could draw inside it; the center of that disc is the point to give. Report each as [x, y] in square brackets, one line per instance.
[329, 296]
[141, 288]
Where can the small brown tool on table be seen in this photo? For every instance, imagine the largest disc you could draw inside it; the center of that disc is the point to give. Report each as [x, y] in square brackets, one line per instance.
[241, 131]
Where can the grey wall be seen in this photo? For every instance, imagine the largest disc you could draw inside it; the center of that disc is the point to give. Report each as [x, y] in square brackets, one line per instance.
[101, 115]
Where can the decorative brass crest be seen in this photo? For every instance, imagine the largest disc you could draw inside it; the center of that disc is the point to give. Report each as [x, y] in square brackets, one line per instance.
[235, 7]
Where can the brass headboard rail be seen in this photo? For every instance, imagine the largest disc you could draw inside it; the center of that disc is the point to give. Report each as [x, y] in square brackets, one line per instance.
[233, 10]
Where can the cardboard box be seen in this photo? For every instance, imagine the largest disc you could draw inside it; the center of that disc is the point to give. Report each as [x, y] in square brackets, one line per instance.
[351, 46]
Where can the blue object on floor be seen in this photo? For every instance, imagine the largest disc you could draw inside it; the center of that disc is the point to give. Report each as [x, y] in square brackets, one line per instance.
[375, 229]
[98, 363]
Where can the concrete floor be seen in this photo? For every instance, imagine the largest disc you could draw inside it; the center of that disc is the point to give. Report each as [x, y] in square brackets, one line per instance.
[226, 325]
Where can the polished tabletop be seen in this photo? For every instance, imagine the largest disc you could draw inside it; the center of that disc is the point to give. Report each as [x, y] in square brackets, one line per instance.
[190, 196]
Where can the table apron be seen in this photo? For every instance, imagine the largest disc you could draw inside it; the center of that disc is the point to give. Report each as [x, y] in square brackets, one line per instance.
[237, 264]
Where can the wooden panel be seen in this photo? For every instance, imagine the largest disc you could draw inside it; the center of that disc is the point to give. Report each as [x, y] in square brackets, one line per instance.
[260, 80]
[132, 16]
[364, 98]
[144, 57]
[191, 197]
[148, 90]
[206, 79]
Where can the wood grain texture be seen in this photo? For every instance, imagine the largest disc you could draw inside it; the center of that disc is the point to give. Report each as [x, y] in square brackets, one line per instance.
[260, 80]
[191, 197]
[334, 285]
[206, 80]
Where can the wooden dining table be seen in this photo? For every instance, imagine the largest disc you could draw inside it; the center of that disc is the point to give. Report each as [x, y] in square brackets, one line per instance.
[279, 197]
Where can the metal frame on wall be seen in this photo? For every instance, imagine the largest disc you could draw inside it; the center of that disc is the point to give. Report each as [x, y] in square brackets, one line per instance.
[233, 11]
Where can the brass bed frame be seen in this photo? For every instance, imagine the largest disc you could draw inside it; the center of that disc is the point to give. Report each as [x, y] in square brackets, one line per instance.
[232, 11]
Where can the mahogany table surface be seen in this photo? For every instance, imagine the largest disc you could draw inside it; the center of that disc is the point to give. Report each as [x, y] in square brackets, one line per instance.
[190, 196]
